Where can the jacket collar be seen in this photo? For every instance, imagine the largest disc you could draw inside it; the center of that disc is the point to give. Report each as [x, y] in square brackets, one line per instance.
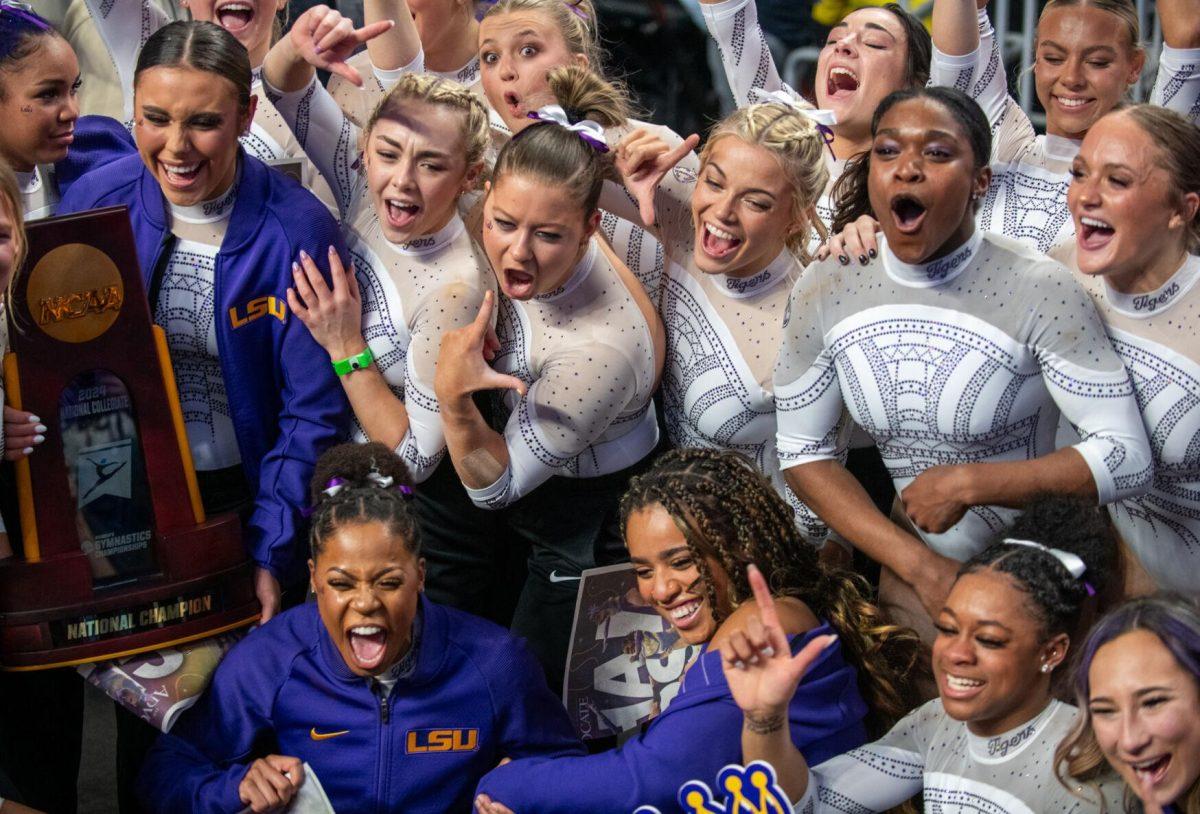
[431, 655]
[249, 210]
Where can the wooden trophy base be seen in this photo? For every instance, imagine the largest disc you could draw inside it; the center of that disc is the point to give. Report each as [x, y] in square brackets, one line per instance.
[50, 615]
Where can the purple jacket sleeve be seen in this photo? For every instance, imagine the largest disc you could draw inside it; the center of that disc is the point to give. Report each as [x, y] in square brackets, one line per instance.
[697, 735]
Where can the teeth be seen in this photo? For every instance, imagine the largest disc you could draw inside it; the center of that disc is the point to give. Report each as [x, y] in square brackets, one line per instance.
[1065, 102]
[959, 683]
[366, 630]
[1096, 224]
[237, 7]
[1146, 765]
[684, 610]
[844, 71]
[721, 233]
[182, 170]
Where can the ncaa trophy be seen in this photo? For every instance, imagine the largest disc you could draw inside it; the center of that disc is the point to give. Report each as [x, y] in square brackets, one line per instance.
[115, 553]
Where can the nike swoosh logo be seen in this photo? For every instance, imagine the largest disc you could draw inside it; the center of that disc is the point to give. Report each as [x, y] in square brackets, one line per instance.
[324, 736]
[554, 577]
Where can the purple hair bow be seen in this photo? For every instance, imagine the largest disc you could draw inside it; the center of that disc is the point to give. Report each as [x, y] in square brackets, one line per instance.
[591, 132]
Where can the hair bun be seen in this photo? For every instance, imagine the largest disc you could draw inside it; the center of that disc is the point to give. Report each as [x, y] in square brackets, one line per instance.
[358, 466]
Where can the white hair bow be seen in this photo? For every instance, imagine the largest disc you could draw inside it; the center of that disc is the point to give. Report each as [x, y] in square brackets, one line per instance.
[827, 118]
[1072, 562]
[590, 131]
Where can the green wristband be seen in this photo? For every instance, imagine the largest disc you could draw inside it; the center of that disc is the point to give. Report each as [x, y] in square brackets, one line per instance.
[344, 366]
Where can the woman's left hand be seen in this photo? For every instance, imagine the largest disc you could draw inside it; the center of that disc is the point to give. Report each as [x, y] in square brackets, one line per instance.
[642, 159]
[334, 317]
[485, 805]
[936, 499]
[325, 39]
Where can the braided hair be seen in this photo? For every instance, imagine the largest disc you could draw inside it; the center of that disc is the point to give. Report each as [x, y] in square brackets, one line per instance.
[727, 510]
[359, 472]
[1072, 524]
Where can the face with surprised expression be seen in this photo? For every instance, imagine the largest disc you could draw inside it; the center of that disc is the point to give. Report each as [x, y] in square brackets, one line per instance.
[923, 180]
[367, 585]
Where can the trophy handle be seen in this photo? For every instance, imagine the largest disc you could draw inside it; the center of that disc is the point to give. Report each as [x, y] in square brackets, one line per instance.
[29, 536]
[185, 449]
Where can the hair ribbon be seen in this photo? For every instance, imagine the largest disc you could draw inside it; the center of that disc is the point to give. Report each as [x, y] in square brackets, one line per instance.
[1072, 562]
[824, 119]
[23, 11]
[591, 132]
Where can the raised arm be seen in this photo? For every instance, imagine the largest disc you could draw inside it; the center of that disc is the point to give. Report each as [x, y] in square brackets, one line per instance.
[1177, 85]
[747, 60]
[398, 46]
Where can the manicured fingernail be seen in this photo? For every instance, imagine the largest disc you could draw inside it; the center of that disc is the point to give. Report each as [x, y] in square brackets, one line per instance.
[741, 665]
[843, 259]
[40, 428]
[318, 49]
[873, 253]
[27, 451]
[332, 251]
[303, 254]
[34, 420]
[768, 651]
[862, 258]
[295, 268]
[37, 439]
[754, 659]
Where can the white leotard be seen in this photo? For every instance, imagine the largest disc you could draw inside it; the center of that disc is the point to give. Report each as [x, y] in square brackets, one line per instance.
[586, 352]
[966, 359]
[723, 336]
[186, 310]
[1027, 199]
[957, 772]
[1157, 337]
[359, 103]
[750, 68]
[412, 293]
[39, 192]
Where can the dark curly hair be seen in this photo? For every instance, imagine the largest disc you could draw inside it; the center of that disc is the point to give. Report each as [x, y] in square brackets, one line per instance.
[1071, 524]
[361, 498]
[727, 510]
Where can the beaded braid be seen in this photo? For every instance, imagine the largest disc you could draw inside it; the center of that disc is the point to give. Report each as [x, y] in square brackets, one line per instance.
[727, 510]
[360, 499]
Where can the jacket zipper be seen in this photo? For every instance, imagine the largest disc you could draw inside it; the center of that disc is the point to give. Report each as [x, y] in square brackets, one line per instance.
[385, 739]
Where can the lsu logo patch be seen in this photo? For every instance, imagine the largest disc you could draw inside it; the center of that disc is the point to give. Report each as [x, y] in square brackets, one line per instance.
[750, 790]
[424, 741]
[258, 307]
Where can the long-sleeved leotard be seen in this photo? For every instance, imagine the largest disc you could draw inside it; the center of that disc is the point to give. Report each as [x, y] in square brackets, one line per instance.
[1027, 199]
[966, 359]
[1155, 334]
[412, 293]
[723, 335]
[586, 353]
[957, 772]
[751, 70]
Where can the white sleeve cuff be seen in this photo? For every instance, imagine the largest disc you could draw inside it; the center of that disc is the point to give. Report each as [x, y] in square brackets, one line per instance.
[719, 11]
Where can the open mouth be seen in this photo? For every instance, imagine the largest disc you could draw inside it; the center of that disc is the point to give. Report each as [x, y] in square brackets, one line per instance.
[181, 176]
[961, 687]
[1094, 233]
[1151, 772]
[513, 103]
[518, 284]
[235, 16]
[401, 215]
[684, 615]
[716, 242]
[1072, 104]
[841, 83]
[368, 643]
[908, 212]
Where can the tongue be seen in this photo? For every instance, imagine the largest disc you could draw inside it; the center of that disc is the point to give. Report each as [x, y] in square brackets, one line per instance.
[368, 650]
[234, 19]
[719, 245]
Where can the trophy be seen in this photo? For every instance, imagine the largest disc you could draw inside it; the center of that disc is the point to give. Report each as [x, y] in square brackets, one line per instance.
[118, 556]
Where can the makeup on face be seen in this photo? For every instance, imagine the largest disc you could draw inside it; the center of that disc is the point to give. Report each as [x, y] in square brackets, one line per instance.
[516, 52]
[367, 584]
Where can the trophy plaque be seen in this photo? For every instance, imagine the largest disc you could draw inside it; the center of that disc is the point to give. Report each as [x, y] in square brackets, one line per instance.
[116, 555]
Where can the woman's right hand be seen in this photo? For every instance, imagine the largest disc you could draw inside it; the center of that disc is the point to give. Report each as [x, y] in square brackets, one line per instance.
[642, 159]
[22, 432]
[271, 782]
[857, 241]
[332, 316]
[462, 367]
[325, 39]
[759, 666]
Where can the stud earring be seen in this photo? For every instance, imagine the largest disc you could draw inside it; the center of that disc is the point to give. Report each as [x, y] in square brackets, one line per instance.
[1045, 667]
